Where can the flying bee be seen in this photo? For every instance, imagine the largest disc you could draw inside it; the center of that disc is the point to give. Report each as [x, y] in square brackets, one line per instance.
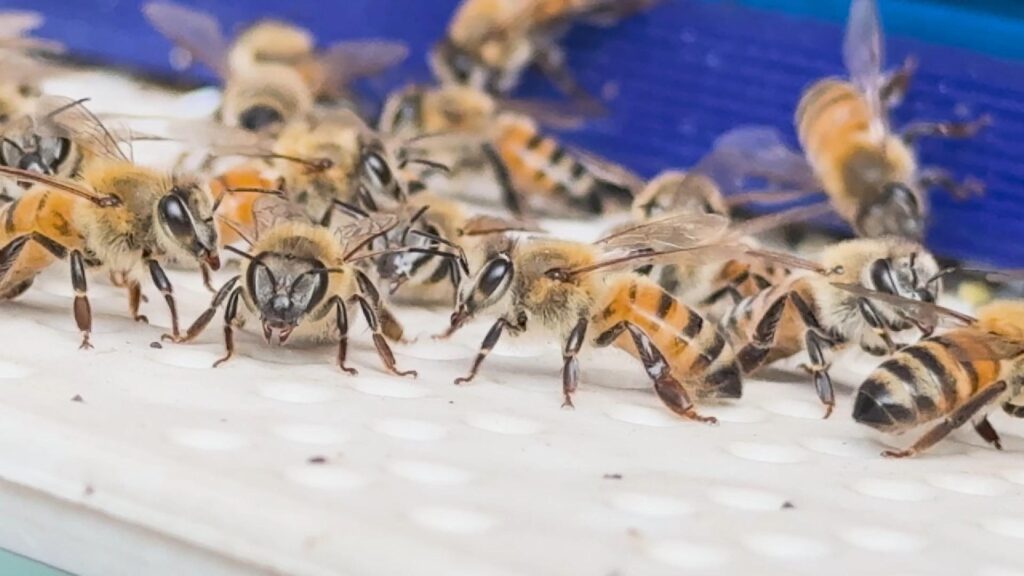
[326, 73]
[868, 171]
[580, 293]
[136, 219]
[501, 144]
[298, 281]
[864, 291]
[490, 43]
[954, 377]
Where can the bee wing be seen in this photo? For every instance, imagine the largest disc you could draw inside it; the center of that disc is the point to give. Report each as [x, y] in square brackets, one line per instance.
[17, 23]
[197, 32]
[72, 187]
[270, 211]
[63, 117]
[356, 234]
[931, 314]
[776, 220]
[756, 152]
[560, 115]
[483, 225]
[672, 232]
[862, 54]
[608, 170]
[344, 62]
[1016, 275]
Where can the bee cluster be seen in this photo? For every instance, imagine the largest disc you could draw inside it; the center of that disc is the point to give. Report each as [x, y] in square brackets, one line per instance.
[435, 203]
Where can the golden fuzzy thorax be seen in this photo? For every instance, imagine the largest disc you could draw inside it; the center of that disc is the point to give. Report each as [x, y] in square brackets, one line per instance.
[853, 256]
[1003, 317]
[271, 40]
[332, 139]
[674, 190]
[457, 108]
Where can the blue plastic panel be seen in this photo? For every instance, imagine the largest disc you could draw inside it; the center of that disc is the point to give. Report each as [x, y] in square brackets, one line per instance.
[690, 70]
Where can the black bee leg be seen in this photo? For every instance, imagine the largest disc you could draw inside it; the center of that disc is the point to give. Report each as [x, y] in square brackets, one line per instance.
[485, 348]
[207, 278]
[571, 366]
[134, 300]
[897, 83]
[871, 316]
[83, 311]
[509, 194]
[753, 354]
[984, 429]
[727, 290]
[341, 318]
[916, 130]
[940, 178]
[668, 388]
[230, 315]
[390, 326]
[455, 277]
[163, 284]
[9, 254]
[551, 62]
[203, 321]
[383, 350]
[816, 341]
[610, 335]
[954, 420]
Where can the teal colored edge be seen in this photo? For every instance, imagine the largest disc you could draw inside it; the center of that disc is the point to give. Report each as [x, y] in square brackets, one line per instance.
[994, 28]
[12, 564]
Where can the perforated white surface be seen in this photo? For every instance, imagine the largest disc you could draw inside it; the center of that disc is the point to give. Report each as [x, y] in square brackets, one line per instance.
[166, 462]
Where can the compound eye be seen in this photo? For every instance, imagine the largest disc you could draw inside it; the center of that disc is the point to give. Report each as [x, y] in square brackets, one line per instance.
[54, 151]
[376, 167]
[176, 216]
[494, 276]
[264, 286]
[881, 276]
[259, 118]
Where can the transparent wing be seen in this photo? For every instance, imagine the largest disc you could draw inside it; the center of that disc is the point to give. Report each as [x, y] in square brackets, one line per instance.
[195, 31]
[356, 234]
[63, 117]
[671, 232]
[926, 313]
[608, 170]
[269, 211]
[862, 53]
[776, 220]
[17, 23]
[756, 153]
[555, 114]
[344, 62]
[484, 225]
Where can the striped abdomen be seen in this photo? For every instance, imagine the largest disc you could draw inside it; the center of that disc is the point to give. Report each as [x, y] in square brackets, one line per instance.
[540, 166]
[236, 207]
[927, 380]
[831, 113]
[39, 210]
[699, 355]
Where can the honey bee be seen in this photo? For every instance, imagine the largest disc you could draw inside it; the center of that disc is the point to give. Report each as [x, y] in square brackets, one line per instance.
[576, 291]
[502, 145]
[135, 219]
[325, 73]
[23, 73]
[490, 43]
[849, 300]
[298, 281]
[955, 376]
[870, 173]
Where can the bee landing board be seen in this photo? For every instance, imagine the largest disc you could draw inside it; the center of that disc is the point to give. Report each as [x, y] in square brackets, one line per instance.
[142, 459]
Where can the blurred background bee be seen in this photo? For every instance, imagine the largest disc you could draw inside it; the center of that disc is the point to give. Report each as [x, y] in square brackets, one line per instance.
[584, 294]
[869, 172]
[495, 150]
[864, 291]
[23, 69]
[490, 43]
[956, 377]
[299, 280]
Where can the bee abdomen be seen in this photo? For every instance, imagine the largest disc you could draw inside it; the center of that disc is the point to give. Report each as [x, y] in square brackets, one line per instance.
[829, 113]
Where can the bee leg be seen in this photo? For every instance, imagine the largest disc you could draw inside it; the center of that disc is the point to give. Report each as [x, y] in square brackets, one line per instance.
[134, 299]
[753, 354]
[509, 194]
[207, 278]
[815, 340]
[551, 62]
[230, 314]
[667, 387]
[163, 284]
[203, 321]
[897, 83]
[571, 367]
[390, 325]
[383, 350]
[954, 420]
[727, 290]
[959, 190]
[9, 254]
[341, 318]
[984, 429]
[83, 311]
[485, 348]
[871, 316]
[916, 130]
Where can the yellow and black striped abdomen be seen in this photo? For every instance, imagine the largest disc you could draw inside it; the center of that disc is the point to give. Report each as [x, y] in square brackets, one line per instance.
[830, 113]
[926, 380]
[700, 357]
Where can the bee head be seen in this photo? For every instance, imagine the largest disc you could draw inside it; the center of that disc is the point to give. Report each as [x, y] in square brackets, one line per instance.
[264, 98]
[897, 212]
[486, 289]
[35, 153]
[453, 64]
[912, 274]
[184, 217]
[284, 289]
[377, 177]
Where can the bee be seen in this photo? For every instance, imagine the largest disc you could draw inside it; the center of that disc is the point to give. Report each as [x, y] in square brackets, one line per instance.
[298, 281]
[870, 173]
[502, 145]
[490, 43]
[135, 219]
[849, 300]
[325, 74]
[23, 73]
[577, 292]
[955, 377]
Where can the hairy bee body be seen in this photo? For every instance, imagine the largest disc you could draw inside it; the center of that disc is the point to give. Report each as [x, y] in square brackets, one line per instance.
[856, 160]
[39, 210]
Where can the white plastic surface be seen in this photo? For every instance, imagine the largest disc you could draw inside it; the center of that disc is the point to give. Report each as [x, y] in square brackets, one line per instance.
[170, 466]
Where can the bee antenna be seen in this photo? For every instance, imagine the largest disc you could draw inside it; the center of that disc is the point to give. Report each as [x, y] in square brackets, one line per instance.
[351, 209]
[241, 253]
[237, 229]
[426, 162]
[62, 109]
[366, 241]
[250, 190]
[940, 274]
